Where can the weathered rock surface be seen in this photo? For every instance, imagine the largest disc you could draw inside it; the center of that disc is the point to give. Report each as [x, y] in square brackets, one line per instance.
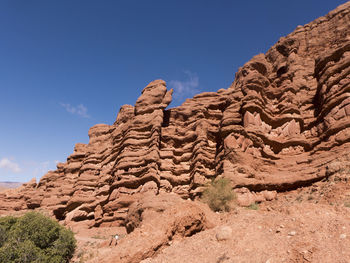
[279, 126]
[154, 222]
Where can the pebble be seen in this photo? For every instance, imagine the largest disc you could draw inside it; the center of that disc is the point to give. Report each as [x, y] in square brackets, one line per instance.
[223, 233]
[292, 233]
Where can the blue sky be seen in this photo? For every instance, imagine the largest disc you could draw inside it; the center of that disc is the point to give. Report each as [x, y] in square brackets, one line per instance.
[68, 65]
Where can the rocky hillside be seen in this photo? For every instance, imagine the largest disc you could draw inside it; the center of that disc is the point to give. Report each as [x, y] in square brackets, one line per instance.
[281, 125]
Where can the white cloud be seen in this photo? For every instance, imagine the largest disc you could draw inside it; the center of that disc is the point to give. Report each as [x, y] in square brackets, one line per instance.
[5, 163]
[79, 110]
[185, 88]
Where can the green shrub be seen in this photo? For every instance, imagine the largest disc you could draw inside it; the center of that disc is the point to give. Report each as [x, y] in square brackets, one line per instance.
[34, 238]
[347, 203]
[254, 206]
[219, 194]
[24, 252]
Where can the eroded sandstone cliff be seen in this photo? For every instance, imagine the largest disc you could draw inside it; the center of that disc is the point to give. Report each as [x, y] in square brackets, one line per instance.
[280, 124]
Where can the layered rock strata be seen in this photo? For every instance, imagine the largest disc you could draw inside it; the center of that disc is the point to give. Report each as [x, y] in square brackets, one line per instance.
[281, 123]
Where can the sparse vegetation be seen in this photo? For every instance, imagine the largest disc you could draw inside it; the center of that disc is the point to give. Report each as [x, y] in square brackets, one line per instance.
[222, 258]
[346, 204]
[299, 198]
[254, 206]
[34, 238]
[98, 237]
[83, 256]
[219, 194]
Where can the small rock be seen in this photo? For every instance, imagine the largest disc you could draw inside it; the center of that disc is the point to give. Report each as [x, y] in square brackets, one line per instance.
[151, 187]
[342, 236]
[292, 233]
[223, 233]
[270, 195]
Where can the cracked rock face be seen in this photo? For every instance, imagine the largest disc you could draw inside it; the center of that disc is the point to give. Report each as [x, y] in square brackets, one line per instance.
[282, 122]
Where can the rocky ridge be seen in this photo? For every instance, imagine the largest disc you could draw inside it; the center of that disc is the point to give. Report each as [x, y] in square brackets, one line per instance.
[279, 126]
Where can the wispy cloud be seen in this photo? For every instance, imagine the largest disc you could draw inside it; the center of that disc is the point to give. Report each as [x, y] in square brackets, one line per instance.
[7, 164]
[185, 88]
[79, 110]
[42, 168]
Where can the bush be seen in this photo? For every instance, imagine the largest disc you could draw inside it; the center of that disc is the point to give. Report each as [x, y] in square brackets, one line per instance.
[5, 225]
[254, 206]
[219, 194]
[34, 238]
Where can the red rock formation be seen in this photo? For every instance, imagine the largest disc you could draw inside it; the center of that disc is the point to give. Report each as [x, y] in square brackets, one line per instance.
[283, 120]
[153, 222]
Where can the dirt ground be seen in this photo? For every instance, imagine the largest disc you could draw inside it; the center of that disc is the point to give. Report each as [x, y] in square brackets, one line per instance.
[310, 224]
